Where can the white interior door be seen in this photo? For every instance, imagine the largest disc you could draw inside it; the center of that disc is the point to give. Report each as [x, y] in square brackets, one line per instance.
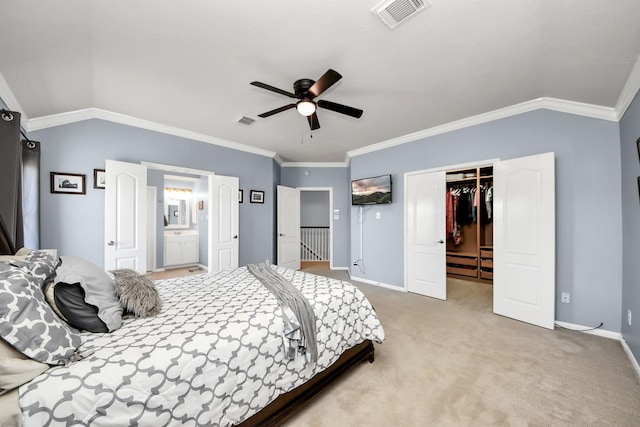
[223, 222]
[288, 227]
[426, 229]
[125, 216]
[524, 239]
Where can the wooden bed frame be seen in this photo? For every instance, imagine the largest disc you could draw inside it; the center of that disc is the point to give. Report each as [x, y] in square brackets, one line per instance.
[289, 403]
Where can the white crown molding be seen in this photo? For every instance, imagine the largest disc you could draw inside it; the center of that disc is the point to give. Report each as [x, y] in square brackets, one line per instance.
[631, 88]
[45, 122]
[589, 110]
[314, 165]
[11, 101]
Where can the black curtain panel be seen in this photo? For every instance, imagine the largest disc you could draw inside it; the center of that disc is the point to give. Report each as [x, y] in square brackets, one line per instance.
[10, 173]
[31, 193]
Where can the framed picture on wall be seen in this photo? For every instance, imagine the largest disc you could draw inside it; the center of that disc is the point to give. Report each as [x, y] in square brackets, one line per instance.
[256, 196]
[639, 186]
[68, 183]
[638, 146]
[99, 178]
[240, 196]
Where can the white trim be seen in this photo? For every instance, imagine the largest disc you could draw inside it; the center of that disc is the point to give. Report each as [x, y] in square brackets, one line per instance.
[44, 122]
[340, 268]
[448, 168]
[599, 332]
[177, 169]
[629, 91]
[11, 101]
[314, 165]
[371, 282]
[632, 358]
[588, 110]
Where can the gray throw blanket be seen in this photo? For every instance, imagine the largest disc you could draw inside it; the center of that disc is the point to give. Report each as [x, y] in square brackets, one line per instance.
[298, 316]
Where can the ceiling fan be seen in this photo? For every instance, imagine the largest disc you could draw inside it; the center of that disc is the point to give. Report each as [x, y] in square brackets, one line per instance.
[305, 90]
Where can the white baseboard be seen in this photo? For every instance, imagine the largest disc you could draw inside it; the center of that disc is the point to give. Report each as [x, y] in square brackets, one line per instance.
[340, 268]
[632, 358]
[371, 282]
[599, 332]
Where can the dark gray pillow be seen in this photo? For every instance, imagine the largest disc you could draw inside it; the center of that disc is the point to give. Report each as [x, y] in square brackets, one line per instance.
[137, 293]
[93, 301]
[28, 323]
[68, 300]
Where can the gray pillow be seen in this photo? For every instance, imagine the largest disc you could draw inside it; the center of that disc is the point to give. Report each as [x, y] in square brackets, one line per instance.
[28, 323]
[137, 293]
[96, 296]
[40, 264]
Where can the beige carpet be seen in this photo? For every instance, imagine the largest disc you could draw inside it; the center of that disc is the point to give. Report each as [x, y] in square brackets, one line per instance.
[454, 363]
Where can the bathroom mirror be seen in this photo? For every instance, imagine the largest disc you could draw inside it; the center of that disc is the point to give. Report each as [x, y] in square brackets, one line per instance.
[176, 210]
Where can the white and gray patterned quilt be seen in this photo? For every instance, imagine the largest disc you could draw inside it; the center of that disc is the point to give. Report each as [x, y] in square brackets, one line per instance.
[213, 356]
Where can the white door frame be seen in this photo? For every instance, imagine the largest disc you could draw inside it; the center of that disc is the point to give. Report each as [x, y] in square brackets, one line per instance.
[152, 237]
[330, 190]
[190, 171]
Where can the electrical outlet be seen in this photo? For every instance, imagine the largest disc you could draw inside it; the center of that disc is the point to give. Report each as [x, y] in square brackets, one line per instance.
[565, 297]
[629, 317]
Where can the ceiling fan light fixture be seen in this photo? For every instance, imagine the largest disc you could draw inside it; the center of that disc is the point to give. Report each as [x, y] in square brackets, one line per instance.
[306, 107]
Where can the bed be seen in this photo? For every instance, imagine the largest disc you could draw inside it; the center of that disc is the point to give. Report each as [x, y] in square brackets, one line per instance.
[214, 354]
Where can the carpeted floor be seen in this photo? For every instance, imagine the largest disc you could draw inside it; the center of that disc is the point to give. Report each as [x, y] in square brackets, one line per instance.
[455, 363]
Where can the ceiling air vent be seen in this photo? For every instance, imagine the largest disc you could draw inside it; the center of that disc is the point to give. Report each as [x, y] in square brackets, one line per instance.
[393, 12]
[245, 120]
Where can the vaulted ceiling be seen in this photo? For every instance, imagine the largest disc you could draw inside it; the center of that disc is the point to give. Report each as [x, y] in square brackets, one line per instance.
[185, 66]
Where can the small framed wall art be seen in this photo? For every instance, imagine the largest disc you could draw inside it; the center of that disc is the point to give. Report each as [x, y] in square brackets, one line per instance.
[256, 196]
[68, 183]
[240, 196]
[99, 178]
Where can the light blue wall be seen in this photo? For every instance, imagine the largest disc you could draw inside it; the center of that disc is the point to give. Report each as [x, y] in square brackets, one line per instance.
[629, 134]
[314, 209]
[588, 202]
[338, 180]
[74, 224]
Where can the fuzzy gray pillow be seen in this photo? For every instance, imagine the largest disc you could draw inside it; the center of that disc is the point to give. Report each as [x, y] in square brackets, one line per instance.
[138, 295]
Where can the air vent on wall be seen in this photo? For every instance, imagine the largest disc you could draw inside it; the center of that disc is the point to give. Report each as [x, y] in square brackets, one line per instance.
[245, 120]
[393, 12]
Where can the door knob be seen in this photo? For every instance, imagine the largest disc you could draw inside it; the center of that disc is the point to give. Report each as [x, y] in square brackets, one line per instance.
[281, 235]
[235, 237]
[440, 241]
[111, 243]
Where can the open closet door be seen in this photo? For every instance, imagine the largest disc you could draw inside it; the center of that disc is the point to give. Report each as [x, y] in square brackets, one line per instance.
[524, 239]
[425, 221]
[224, 222]
[289, 227]
[125, 216]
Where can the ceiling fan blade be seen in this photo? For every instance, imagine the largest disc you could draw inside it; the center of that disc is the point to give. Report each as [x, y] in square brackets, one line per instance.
[273, 89]
[277, 110]
[327, 80]
[339, 108]
[313, 121]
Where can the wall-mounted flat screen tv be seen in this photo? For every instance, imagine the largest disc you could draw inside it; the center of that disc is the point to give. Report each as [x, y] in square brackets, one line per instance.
[371, 191]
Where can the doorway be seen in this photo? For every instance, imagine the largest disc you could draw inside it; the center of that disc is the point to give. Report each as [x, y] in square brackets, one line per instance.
[523, 230]
[316, 226]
